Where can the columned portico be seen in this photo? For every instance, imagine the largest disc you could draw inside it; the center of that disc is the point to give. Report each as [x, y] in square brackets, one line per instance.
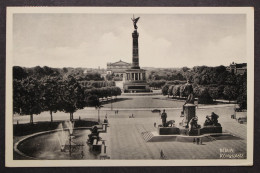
[135, 76]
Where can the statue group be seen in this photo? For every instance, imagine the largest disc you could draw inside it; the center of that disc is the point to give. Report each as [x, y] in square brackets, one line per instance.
[212, 120]
[93, 135]
[166, 123]
[189, 124]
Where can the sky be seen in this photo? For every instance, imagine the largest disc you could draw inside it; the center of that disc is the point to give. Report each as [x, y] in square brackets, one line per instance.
[93, 40]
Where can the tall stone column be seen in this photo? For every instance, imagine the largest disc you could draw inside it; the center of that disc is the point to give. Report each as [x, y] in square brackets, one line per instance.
[135, 60]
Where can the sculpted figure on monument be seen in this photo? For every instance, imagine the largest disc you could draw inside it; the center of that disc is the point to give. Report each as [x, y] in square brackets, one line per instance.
[212, 120]
[94, 135]
[164, 117]
[193, 124]
[208, 121]
[189, 91]
[135, 20]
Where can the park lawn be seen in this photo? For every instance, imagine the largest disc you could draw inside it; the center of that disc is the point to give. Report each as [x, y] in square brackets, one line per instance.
[144, 102]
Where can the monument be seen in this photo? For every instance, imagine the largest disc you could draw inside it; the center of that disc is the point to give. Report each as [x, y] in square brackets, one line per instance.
[189, 125]
[135, 80]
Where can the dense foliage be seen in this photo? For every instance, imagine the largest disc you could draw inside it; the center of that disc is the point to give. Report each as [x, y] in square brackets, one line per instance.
[209, 82]
[47, 89]
[40, 72]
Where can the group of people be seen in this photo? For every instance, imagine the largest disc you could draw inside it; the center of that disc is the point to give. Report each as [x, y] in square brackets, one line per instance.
[197, 141]
[131, 116]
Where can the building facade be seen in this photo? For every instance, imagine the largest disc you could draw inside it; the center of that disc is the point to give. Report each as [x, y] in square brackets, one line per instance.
[118, 68]
[237, 68]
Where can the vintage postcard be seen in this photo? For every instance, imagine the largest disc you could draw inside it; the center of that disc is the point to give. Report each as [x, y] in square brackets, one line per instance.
[92, 86]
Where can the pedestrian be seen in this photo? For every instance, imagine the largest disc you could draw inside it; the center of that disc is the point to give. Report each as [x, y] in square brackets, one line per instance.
[154, 124]
[198, 141]
[162, 154]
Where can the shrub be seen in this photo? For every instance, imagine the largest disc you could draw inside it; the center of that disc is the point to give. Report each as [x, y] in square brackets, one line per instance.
[204, 97]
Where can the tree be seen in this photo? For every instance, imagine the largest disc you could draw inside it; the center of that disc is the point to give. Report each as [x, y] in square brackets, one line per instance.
[176, 90]
[72, 96]
[51, 97]
[165, 89]
[242, 100]
[182, 93]
[204, 97]
[230, 92]
[170, 93]
[93, 100]
[18, 93]
[116, 91]
[197, 90]
[30, 98]
[242, 97]
[214, 92]
[19, 73]
[186, 89]
[185, 69]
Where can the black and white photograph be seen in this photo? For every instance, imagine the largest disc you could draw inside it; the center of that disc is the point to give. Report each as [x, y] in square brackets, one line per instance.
[118, 86]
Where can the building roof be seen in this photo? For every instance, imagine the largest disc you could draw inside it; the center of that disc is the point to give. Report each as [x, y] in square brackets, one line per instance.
[119, 63]
[117, 70]
[241, 65]
[238, 65]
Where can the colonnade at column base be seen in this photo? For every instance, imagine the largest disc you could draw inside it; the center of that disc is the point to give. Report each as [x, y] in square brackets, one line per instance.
[131, 87]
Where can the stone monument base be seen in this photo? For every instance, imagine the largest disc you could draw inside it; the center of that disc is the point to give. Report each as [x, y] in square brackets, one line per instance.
[155, 137]
[211, 129]
[193, 132]
[168, 131]
[189, 113]
[136, 86]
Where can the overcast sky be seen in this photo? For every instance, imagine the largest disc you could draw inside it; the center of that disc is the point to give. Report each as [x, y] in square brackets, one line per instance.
[92, 40]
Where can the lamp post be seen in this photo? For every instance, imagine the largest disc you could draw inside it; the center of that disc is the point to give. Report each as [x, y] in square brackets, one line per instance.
[111, 102]
[98, 108]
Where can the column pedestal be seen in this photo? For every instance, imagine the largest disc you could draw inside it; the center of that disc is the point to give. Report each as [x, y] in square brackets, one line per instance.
[189, 113]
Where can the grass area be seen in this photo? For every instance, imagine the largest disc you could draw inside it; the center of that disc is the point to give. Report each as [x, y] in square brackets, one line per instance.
[145, 102]
[26, 129]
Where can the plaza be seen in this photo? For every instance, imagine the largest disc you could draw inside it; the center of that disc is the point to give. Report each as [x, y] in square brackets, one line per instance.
[125, 136]
[138, 123]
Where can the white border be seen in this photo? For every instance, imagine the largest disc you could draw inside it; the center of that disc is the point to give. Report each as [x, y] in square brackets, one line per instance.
[249, 11]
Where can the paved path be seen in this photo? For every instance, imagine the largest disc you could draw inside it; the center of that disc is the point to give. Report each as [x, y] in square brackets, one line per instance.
[126, 142]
